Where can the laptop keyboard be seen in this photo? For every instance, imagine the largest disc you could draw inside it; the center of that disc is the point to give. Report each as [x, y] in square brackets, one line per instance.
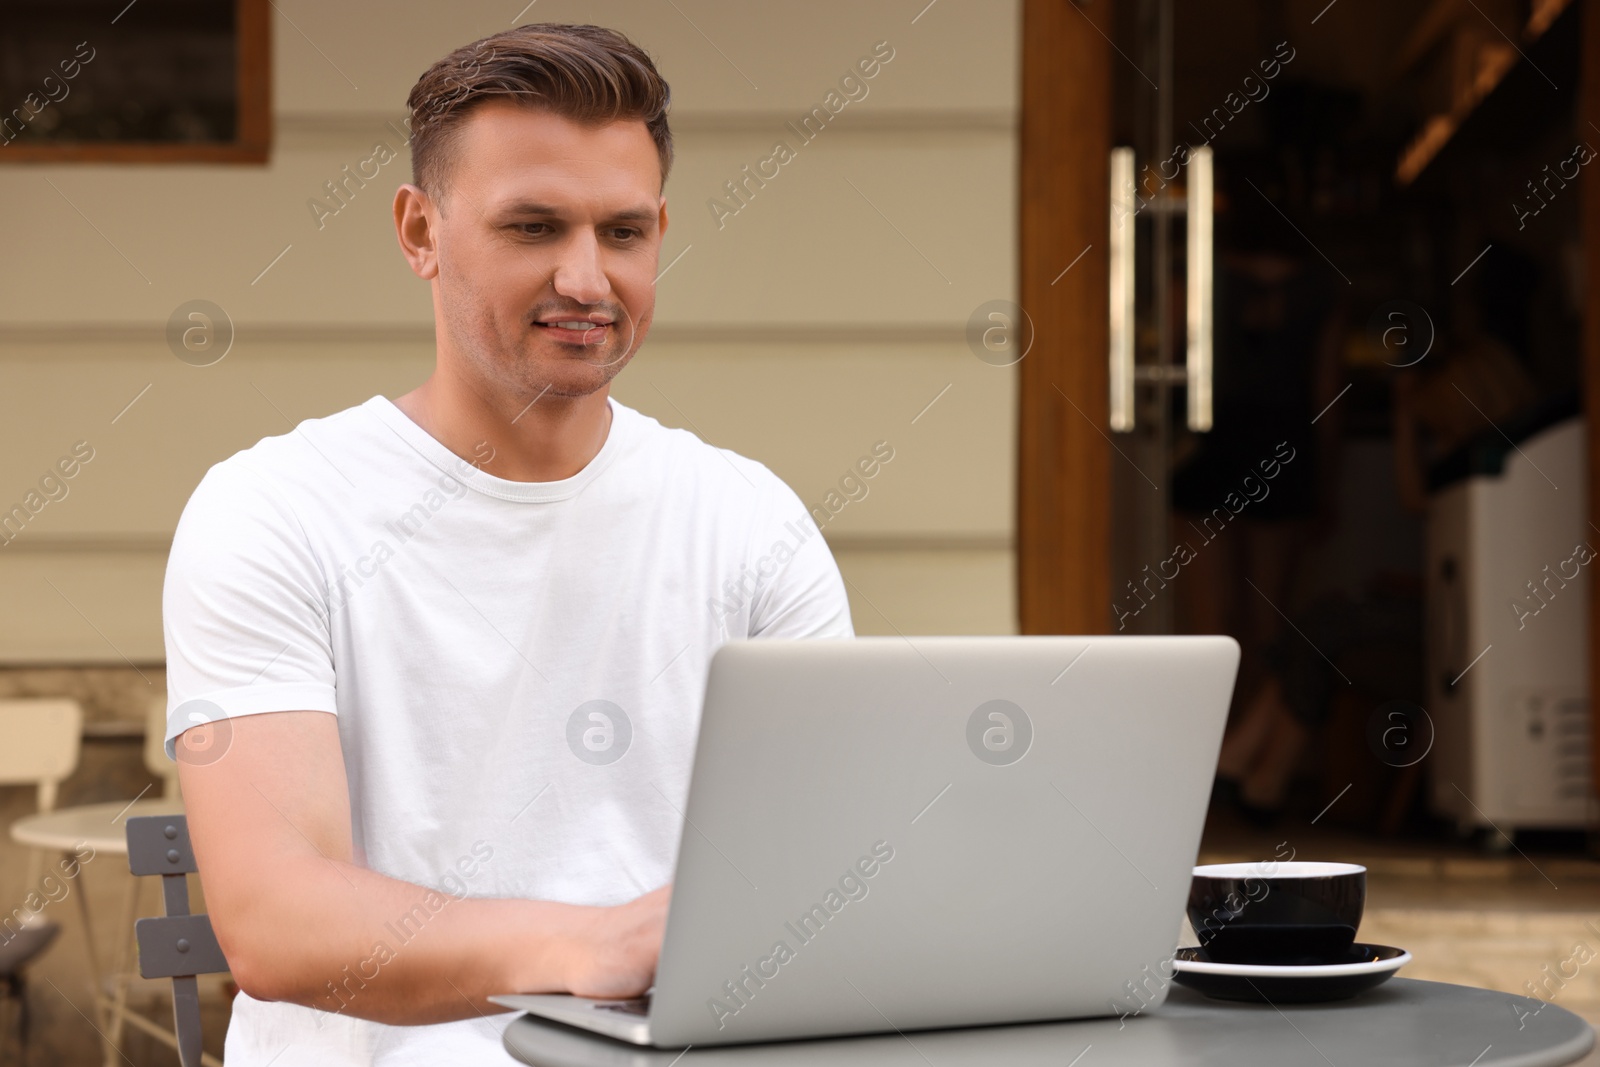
[638, 1006]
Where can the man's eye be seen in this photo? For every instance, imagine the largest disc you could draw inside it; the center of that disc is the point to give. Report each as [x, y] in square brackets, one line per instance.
[625, 234]
[525, 227]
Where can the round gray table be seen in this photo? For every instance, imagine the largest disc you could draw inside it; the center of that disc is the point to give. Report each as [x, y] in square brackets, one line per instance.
[1403, 1021]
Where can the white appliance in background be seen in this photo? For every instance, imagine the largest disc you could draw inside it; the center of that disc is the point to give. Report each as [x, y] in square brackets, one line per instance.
[1508, 562]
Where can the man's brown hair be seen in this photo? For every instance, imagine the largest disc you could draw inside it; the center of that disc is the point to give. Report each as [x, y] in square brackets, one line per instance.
[588, 74]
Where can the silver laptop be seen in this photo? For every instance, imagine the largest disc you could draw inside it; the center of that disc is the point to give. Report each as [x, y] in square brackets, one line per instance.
[899, 834]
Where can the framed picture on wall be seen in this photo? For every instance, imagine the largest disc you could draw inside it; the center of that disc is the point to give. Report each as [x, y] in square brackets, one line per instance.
[153, 81]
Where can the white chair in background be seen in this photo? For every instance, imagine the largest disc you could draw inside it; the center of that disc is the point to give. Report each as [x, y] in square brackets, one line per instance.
[43, 741]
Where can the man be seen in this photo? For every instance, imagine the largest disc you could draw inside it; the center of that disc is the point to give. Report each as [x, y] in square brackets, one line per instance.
[436, 664]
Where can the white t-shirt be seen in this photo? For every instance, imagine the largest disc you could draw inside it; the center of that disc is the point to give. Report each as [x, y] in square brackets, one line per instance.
[517, 667]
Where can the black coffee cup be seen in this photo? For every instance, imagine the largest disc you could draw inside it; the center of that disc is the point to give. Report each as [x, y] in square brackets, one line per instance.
[1277, 912]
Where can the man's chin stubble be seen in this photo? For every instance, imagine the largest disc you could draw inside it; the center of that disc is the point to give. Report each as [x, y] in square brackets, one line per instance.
[569, 381]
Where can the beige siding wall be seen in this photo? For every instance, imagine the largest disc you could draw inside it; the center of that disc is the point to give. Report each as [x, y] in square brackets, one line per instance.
[824, 317]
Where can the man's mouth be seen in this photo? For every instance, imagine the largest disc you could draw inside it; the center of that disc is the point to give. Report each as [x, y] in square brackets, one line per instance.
[577, 331]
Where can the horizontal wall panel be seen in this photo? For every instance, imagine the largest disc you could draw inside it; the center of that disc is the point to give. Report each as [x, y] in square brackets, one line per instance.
[100, 604]
[909, 591]
[92, 606]
[910, 227]
[812, 417]
[810, 411]
[313, 131]
[717, 56]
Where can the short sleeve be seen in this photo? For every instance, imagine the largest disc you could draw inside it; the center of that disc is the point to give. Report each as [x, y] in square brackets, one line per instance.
[800, 593]
[244, 607]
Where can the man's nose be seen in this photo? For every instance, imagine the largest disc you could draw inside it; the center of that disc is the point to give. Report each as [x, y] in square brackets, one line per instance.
[579, 274]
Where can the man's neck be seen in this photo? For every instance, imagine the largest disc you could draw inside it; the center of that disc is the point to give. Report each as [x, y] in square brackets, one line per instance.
[551, 439]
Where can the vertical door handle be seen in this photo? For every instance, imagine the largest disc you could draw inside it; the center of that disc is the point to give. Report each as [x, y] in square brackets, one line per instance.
[1199, 289]
[1122, 244]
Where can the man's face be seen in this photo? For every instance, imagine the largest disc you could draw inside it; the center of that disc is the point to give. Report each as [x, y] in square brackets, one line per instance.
[548, 222]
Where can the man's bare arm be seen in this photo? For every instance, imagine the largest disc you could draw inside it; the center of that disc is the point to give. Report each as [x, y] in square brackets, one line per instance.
[299, 921]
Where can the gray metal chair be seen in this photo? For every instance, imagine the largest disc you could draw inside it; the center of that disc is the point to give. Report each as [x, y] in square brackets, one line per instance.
[178, 945]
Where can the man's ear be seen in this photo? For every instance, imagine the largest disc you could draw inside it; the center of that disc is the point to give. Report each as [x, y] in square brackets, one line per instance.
[415, 219]
[663, 216]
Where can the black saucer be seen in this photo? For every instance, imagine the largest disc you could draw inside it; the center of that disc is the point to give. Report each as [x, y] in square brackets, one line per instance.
[1359, 969]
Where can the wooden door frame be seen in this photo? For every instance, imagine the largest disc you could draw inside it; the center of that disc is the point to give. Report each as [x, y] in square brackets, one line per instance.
[1589, 108]
[1063, 460]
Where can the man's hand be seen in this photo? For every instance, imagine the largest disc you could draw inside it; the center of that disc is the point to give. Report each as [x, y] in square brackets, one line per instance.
[298, 917]
[616, 949]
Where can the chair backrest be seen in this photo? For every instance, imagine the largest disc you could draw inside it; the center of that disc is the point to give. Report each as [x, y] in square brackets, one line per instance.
[43, 738]
[176, 945]
[156, 760]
